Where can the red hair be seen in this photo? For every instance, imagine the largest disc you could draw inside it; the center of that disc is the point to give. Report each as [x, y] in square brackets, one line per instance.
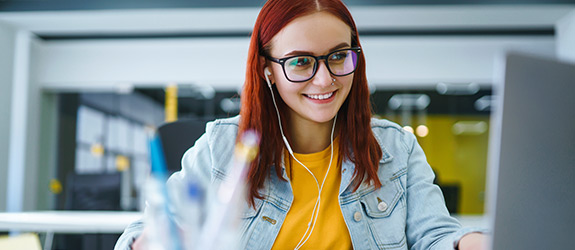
[257, 109]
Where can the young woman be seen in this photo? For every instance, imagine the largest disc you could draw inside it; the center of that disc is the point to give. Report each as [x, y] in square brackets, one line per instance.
[327, 176]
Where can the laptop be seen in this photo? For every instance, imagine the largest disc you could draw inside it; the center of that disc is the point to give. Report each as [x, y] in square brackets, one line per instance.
[531, 166]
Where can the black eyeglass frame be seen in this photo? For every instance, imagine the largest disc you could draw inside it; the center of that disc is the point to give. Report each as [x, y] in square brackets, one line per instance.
[281, 61]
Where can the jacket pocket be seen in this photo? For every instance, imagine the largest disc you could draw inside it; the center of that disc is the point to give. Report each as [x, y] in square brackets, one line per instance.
[247, 219]
[386, 214]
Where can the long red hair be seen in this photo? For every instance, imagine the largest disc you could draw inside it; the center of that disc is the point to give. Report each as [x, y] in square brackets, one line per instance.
[257, 109]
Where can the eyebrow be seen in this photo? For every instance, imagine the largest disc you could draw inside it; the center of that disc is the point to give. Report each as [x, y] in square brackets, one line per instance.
[302, 52]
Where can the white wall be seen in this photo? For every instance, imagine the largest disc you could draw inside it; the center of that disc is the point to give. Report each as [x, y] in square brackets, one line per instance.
[422, 62]
[391, 61]
[7, 35]
[109, 64]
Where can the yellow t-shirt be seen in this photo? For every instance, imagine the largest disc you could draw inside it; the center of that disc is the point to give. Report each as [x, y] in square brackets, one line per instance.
[330, 231]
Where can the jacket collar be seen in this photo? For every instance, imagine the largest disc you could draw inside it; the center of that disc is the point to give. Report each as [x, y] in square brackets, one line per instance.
[348, 168]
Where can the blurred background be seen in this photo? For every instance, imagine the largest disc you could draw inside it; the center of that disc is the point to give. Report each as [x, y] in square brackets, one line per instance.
[83, 81]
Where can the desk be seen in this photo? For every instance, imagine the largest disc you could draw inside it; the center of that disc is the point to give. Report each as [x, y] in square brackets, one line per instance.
[68, 221]
[109, 221]
[78, 222]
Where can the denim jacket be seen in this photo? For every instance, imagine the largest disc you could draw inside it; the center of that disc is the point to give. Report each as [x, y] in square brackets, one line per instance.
[407, 212]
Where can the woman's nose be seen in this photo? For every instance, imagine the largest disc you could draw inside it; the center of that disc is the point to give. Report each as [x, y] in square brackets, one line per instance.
[322, 76]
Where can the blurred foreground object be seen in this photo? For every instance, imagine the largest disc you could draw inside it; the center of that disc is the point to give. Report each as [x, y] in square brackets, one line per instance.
[220, 231]
[176, 216]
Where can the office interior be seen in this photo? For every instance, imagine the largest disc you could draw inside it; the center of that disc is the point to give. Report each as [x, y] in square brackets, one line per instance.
[83, 84]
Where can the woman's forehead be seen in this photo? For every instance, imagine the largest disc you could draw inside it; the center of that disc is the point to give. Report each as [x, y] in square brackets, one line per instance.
[317, 33]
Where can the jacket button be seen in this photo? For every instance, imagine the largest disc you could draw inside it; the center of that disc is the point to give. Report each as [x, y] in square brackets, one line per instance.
[357, 216]
[382, 206]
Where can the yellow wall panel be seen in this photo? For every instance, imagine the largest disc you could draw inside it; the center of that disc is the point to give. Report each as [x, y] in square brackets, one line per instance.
[458, 156]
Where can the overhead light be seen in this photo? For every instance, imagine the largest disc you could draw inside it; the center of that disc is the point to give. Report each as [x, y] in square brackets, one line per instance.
[198, 91]
[230, 105]
[422, 131]
[124, 88]
[409, 102]
[484, 103]
[457, 88]
[372, 88]
[408, 129]
[469, 128]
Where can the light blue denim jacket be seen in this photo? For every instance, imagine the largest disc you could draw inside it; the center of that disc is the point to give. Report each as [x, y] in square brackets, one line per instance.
[407, 212]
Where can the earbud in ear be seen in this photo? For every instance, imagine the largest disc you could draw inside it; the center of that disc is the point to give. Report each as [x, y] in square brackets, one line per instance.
[267, 73]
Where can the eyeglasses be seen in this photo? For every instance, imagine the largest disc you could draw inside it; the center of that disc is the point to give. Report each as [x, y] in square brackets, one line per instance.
[302, 68]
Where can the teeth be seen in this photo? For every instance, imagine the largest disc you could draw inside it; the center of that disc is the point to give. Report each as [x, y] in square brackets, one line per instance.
[320, 97]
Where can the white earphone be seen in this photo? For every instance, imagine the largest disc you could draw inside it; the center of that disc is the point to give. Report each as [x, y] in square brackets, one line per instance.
[267, 73]
[317, 205]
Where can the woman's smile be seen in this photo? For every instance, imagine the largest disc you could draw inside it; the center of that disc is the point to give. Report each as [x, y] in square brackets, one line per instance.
[321, 98]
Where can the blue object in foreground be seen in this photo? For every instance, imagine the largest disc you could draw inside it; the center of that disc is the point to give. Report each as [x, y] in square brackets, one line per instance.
[159, 175]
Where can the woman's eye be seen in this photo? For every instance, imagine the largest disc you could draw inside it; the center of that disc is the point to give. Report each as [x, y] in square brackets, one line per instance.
[300, 62]
[338, 56]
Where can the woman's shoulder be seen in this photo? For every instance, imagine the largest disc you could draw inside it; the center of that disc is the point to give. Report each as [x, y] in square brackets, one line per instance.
[384, 124]
[390, 133]
[387, 127]
[233, 121]
[223, 126]
[215, 147]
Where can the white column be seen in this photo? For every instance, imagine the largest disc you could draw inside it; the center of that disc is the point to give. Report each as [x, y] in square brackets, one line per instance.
[565, 37]
[18, 122]
[7, 38]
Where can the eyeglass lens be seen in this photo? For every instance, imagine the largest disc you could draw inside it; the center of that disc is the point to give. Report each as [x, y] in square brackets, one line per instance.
[303, 68]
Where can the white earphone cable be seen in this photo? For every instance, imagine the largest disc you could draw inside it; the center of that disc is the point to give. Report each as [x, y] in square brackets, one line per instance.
[317, 204]
[318, 201]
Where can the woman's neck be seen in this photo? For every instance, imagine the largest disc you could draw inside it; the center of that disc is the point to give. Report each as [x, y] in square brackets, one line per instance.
[308, 136]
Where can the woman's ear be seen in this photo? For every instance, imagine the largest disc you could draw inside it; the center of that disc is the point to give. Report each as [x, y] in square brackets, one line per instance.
[263, 64]
[266, 71]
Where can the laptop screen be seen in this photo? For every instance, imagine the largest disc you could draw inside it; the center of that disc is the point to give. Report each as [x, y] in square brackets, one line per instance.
[531, 169]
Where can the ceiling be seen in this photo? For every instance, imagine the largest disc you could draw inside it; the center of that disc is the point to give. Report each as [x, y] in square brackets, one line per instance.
[55, 5]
